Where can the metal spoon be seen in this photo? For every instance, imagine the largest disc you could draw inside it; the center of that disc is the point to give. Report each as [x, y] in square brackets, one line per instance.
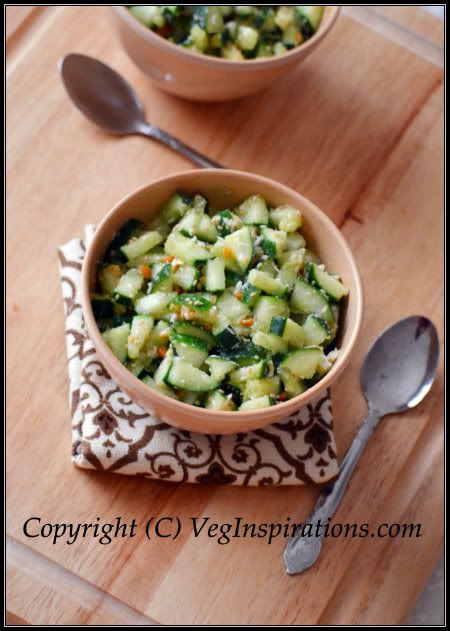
[397, 373]
[107, 100]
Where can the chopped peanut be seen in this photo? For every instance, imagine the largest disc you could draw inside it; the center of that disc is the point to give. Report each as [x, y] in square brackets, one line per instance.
[164, 335]
[168, 259]
[176, 266]
[238, 295]
[247, 322]
[162, 350]
[145, 271]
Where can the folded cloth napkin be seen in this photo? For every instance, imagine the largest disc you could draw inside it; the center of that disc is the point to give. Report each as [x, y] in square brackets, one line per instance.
[112, 433]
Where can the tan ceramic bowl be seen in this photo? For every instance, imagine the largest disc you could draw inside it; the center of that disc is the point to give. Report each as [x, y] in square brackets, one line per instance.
[201, 77]
[225, 188]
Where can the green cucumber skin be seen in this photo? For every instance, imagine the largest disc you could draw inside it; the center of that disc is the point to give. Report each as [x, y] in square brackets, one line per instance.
[227, 338]
[163, 274]
[277, 325]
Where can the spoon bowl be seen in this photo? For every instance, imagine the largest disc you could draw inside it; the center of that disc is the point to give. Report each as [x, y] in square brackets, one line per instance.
[400, 366]
[101, 94]
[107, 100]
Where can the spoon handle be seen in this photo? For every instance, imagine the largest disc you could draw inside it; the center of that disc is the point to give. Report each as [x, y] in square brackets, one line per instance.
[302, 551]
[177, 145]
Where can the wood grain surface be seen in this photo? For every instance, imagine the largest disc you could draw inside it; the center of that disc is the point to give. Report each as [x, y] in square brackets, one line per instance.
[359, 130]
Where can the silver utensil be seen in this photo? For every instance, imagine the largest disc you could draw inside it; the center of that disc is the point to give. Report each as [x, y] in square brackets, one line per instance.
[107, 100]
[397, 373]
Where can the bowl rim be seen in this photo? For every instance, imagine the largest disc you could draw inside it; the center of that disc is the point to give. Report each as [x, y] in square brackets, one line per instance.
[245, 64]
[288, 406]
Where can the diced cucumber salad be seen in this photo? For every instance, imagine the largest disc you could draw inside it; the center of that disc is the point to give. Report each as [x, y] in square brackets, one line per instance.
[232, 32]
[222, 309]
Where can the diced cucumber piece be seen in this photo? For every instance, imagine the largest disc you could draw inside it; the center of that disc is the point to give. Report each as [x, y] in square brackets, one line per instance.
[122, 236]
[141, 327]
[226, 223]
[271, 342]
[295, 241]
[214, 20]
[198, 38]
[256, 388]
[303, 363]
[129, 285]
[232, 52]
[155, 304]
[253, 211]
[292, 36]
[257, 404]
[136, 367]
[277, 325]
[192, 398]
[329, 284]
[250, 294]
[196, 331]
[150, 258]
[225, 335]
[267, 307]
[116, 339]
[279, 49]
[196, 224]
[188, 377]
[176, 207]
[162, 281]
[245, 355]
[293, 334]
[189, 348]
[268, 266]
[160, 387]
[266, 283]
[162, 372]
[186, 249]
[109, 277]
[254, 371]
[231, 308]
[238, 250]
[284, 17]
[219, 367]
[160, 333]
[313, 15]
[273, 242]
[307, 299]
[215, 275]
[291, 264]
[316, 331]
[140, 245]
[292, 385]
[186, 277]
[247, 37]
[149, 15]
[218, 401]
[285, 218]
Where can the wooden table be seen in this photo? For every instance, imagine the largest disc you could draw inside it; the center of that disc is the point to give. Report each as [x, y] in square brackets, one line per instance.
[359, 130]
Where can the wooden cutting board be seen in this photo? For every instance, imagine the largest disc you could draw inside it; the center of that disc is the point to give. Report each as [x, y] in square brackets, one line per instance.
[359, 130]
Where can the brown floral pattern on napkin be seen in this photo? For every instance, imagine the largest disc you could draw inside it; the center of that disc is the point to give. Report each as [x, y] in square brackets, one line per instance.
[112, 433]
